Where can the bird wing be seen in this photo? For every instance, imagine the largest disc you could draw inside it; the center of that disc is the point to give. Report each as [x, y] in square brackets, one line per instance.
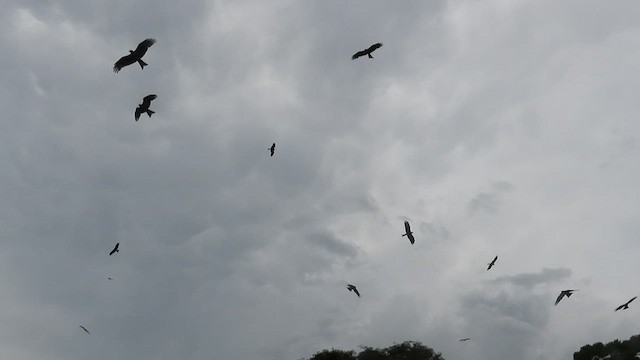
[358, 54]
[356, 291]
[85, 329]
[620, 307]
[147, 99]
[560, 297]
[407, 227]
[116, 247]
[143, 46]
[495, 259]
[633, 298]
[138, 112]
[123, 61]
[374, 47]
[411, 238]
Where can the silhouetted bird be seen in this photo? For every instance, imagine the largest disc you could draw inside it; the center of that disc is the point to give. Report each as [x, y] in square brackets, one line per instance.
[115, 249]
[408, 233]
[272, 149]
[110, 278]
[353, 288]
[85, 329]
[134, 56]
[144, 107]
[492, 263]
[625, 305]
[465, 339]
[564, 293]
[367, 52]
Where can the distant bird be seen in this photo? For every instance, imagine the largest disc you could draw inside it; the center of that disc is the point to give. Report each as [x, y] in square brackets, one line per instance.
[625, 305]
[85, 329]
[493, 262]
[564, 293]
[134, 56]
[353, 288]
[367, 52]
[272, 149]
[110, 278]
[115, 249]
[408, 233]
[465, 339]
[144, 107]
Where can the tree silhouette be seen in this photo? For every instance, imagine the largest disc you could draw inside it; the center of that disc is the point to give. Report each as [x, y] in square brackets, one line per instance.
[615, 350]
[408, 350]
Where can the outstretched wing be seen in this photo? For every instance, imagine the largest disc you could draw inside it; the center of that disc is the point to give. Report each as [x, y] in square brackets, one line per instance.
[358, 54]
[407, 227]
[147, 99]
[85, 329]
[143, 46]
[633, 298]
[373, 47]
[123, 61]
[356, 291]
[137, 117]
[559, 297]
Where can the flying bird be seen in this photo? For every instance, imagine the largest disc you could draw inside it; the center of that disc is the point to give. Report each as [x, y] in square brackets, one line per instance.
[272, 149]
[110, 278]
[408, 233]
[564, 293]
[134, 56]
[115, 249]
[85, 329]
[465, 339]
[625, 305]
[367, 52]
[492, 263]
[144, 107]
[353, 288]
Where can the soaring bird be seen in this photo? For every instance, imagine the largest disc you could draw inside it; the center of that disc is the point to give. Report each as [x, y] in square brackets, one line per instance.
[110, 278]
[272, 148]
[465, 339]
[85, 329]
[144, 107]
[353, 288]
[115, 249]
[564, 293]
[367, 52]
[408, 233]
[134, 56]
[493, 262]
[625, 305]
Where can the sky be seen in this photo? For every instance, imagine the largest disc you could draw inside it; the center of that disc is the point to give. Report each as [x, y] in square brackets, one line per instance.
[502, 127]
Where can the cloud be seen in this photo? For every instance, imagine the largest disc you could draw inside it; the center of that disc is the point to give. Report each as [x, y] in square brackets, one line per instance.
[532, 279]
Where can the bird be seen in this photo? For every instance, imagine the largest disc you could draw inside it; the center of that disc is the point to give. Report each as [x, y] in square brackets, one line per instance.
[367, 51]
[353, 288]
[144, 107]
[408, 233]
[110, 278]
[564, 293]
[134, 56]
[465, 339]
[272, 148]
[115, 249]
[625, 305]
[85, 329]
[492, 263]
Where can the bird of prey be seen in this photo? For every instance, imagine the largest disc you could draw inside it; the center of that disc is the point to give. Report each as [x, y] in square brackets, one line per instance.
[564, 293]
[115, 249]
[272, 148]
[625, 305]
[353, 288]
[465, 339]
[85, 329]
[408, 233]
[493, 262]
[134, 56]
[367, 52]
[144, 107]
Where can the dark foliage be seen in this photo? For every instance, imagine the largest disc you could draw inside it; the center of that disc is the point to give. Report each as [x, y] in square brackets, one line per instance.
[408, 350]
[615, 350]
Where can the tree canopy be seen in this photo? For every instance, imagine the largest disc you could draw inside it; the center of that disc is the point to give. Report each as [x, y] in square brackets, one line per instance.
[408, 350]
[615, 350]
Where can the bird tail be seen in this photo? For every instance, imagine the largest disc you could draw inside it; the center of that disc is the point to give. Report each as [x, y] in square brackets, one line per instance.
[142, 64]
[150, 112]
[370, 57]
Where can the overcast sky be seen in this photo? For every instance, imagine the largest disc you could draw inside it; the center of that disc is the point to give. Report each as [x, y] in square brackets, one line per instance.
[502, 127]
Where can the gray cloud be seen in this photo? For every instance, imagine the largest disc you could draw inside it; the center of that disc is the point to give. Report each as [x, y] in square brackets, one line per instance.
[532, 279]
